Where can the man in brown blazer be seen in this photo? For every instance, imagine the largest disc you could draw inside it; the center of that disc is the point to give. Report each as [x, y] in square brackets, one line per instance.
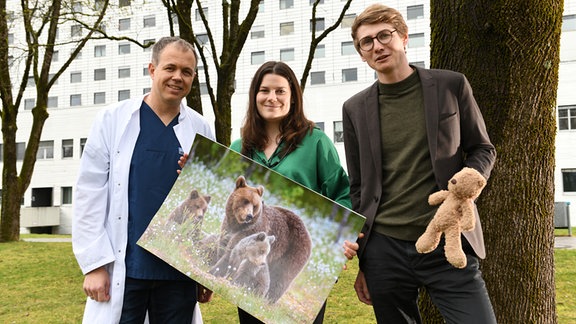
[405, 137]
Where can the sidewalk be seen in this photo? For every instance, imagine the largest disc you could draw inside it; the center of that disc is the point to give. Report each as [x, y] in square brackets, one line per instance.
[565, 242]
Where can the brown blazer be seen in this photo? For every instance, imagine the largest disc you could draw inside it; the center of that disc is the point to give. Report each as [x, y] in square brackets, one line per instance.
[457, 138]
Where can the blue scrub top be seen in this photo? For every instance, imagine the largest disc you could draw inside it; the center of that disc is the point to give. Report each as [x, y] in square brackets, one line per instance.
[152, 175]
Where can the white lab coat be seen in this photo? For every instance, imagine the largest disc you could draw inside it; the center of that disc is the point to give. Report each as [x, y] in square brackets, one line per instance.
[100, 214]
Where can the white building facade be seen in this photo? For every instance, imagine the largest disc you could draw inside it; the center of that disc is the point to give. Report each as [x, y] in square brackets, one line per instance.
[110, 71]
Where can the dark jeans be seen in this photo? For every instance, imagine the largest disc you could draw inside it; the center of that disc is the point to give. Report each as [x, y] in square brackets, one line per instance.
[395, 271]
[167, 301]
[246, 318]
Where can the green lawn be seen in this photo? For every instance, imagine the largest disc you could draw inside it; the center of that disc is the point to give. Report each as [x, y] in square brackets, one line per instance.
[41, 283]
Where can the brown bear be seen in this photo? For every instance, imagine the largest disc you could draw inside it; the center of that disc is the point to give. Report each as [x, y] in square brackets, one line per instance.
[248, 265]
[247, 214]
[193, 207]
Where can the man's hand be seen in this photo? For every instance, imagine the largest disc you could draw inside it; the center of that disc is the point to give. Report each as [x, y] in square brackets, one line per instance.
[351, 248]
[204, 294]
[97, 285]
[362, 289]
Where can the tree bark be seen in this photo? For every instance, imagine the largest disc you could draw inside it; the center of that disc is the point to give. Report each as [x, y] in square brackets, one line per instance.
[509, 51]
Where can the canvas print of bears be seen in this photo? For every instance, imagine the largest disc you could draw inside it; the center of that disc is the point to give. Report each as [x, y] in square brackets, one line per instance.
[254, 237]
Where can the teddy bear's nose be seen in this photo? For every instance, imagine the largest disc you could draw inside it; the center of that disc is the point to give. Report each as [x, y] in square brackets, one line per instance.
[453, 181]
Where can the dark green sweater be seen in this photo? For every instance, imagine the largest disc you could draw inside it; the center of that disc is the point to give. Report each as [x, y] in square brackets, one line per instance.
[408, 178]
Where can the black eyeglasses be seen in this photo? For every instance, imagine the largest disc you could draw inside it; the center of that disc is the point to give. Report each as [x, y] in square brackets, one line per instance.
[384, 37]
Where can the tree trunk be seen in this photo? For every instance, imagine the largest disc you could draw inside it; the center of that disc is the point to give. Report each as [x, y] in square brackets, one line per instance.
[184, 8]
[223, 121]
[509, 51]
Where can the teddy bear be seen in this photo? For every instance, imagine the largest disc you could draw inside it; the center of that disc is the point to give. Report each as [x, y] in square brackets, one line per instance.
[454, 215]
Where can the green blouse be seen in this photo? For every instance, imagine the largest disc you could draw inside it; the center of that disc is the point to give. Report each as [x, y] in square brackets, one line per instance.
[314, 164]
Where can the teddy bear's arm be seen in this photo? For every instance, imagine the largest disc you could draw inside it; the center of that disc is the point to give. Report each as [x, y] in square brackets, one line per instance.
[437, 197]
[468, 219]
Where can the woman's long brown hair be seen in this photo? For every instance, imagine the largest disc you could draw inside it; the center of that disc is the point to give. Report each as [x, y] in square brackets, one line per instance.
[293, 127]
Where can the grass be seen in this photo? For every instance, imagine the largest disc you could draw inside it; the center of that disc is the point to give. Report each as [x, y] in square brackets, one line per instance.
[41, 283]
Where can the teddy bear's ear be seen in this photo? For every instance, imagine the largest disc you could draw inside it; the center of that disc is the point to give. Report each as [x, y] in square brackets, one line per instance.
[260, 190]
[193, 194]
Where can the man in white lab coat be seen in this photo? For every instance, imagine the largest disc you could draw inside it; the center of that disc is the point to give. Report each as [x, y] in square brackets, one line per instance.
[128, 166]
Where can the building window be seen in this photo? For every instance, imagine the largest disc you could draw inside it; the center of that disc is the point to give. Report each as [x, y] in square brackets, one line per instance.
[349, 75]
[29, 103]
[286, 28]
[99, 98]
[124, 3]
[320, 25]
[421, 64]
[45, 150]
[76, 100]
[30, 82]
[82, 145]
[320, 125]
[318, 77]
[569, 180]
[416, 40]
[567, 117]
[123, 49]
[78, 56]
[415, 12]
[203, 88]
[10, 38]
[55, 56]
[66, 193]
[124, 24]
[123, 95]
[146, 90]
[257, 32]
[347, 20]
[67, 148]
[338, 132]
[76, 31]
[347, 48]
[99, 74]
[257, 58]
[287, 54]
[99, 50]
[20, 150]
[52, 102]
[51, 76]
[174, 18]
[320, 51]
[77, 7]
[75, 77]
[149, 43]
[286, 4]
[568, 23]
[198, 16]
[149, 21]
[123, 72]
[145, 71]
[202, 39]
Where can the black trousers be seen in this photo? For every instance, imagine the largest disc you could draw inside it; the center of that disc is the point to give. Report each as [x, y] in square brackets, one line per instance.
[166, 301]
[246, 318]
[395, 272]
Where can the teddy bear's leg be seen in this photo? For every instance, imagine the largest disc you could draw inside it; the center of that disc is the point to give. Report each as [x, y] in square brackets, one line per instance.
[453, 247]
[428, 241]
